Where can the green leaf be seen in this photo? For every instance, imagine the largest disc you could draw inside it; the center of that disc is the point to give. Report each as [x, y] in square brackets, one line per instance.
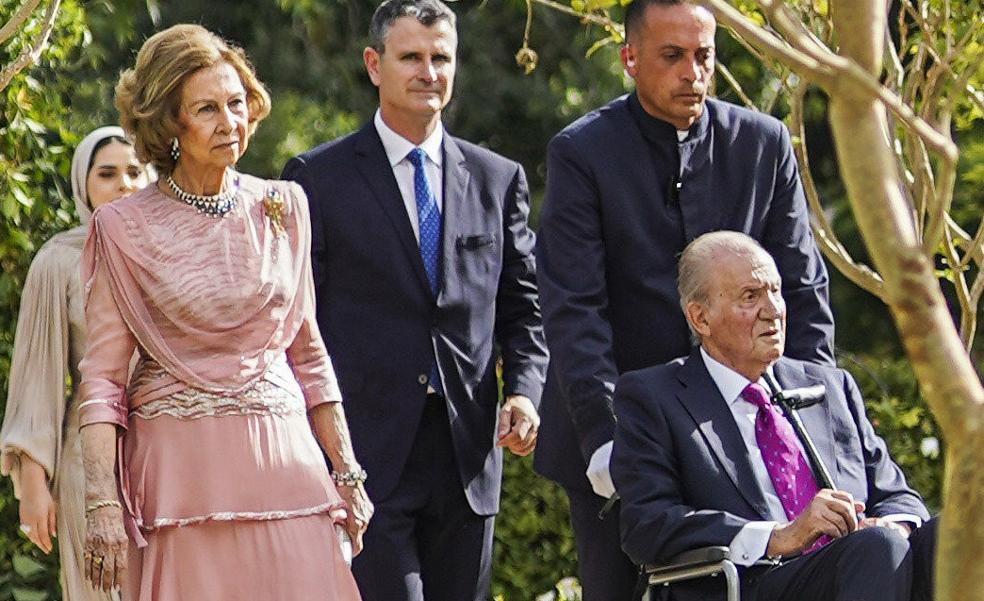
[22, 198]
[590, 5]
[27, 594]
[25, 566]
[35, 127]
[9, 207]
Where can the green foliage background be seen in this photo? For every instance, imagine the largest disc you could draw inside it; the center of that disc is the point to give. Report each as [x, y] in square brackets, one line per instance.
[308, 52]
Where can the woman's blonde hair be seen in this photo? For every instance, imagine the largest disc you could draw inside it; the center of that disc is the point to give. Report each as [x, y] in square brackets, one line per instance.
[148, 96]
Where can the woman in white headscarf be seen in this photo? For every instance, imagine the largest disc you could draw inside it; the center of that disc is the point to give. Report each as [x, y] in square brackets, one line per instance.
[39, 442]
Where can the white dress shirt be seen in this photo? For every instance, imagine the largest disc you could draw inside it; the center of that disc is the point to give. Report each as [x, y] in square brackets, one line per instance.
[397, 148]
[751, 542]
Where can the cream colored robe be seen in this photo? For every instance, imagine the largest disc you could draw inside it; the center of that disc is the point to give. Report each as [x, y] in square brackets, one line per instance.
[41, 418]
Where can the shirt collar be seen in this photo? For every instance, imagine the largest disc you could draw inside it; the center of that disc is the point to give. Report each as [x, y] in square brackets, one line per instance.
[728, 381]
[397, 147]
[657, 130]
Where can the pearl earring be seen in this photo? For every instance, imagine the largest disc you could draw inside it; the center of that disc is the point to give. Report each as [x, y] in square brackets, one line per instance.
[175, 150]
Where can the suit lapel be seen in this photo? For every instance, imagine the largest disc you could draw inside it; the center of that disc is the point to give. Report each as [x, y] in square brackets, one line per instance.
[375, 169]
[816, 419]
[701, 398]
[456, 179]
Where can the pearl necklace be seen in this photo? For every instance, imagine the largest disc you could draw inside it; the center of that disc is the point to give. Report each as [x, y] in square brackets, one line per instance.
[216, 205]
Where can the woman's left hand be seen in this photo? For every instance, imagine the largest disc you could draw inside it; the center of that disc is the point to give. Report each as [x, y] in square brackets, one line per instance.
[359, 511]
[105, 549]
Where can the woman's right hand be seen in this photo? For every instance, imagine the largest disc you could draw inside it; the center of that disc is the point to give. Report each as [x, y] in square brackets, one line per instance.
[359, 510]
[37, 517]
[105, 551]
[37, 508]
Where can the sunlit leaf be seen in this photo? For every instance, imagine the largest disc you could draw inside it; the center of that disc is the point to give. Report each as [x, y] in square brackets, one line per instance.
[25, 566]
[598, 46]
[590, 5]
[27, 594]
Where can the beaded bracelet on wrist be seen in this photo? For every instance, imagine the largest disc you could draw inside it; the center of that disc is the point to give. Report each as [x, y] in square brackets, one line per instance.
[353, 478]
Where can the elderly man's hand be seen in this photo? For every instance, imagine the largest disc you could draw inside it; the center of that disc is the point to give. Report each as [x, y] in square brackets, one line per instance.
[831, 512]
[903, 529]
[518, 425]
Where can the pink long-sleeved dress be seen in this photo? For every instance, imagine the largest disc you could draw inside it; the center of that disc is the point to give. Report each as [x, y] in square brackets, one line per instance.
[227, 493]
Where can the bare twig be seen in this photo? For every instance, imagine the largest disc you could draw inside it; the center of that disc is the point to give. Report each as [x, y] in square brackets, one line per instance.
[968, 312]
[730, 78]
[862, 275]
[790, 26]
[587, 17]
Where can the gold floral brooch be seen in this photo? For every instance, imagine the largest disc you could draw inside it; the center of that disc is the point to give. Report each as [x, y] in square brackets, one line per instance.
[273, 207]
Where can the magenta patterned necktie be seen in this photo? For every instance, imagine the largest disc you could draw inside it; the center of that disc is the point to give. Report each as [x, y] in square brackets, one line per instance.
[790, 474]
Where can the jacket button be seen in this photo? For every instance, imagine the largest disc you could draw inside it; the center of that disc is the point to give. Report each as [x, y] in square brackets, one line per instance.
[422, 379]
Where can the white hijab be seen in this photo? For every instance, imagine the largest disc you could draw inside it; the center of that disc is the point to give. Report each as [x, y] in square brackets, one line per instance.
[81, 161]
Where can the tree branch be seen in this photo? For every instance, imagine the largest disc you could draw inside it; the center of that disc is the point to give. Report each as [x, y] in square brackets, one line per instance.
[607, 23]
[833, 72]
[32, 53]
[15, 22]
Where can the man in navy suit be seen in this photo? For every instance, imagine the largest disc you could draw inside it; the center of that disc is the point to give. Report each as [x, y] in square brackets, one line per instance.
[424, 268]
[628, 185]
[702, 458]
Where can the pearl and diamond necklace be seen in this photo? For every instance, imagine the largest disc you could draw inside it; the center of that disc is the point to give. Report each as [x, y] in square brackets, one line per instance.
[216, 205]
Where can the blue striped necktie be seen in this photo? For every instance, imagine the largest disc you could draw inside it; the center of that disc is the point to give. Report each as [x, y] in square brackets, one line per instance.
[429, 222]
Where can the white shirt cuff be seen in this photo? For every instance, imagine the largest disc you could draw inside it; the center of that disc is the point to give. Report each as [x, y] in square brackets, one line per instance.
[750, 544]
[915, 520]
[601, 458]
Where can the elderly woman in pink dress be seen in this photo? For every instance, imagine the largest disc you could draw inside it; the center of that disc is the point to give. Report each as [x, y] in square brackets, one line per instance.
[222, 492]
[39, 442]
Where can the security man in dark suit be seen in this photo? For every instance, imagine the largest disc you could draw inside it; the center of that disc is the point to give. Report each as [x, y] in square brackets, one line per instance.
[703, 458]
[424, 269]
[628, 185]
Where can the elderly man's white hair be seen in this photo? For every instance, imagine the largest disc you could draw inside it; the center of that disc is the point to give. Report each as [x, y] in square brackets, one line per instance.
[700, 254]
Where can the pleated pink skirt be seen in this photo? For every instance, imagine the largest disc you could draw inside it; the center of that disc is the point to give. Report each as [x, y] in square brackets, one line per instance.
[295, 559]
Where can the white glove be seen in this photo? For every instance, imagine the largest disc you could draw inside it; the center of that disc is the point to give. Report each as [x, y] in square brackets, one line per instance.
[598, 473]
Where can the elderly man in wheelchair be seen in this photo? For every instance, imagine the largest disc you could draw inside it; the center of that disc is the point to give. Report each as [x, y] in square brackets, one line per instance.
[793, 505]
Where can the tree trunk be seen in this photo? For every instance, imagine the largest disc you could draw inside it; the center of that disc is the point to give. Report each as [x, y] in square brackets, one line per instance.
[946, 376]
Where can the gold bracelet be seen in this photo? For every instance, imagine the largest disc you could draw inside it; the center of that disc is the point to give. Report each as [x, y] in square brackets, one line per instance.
[100, 503]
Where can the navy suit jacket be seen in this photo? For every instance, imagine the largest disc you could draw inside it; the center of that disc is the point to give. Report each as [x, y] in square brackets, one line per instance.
[682, 468]
[381, 323]
[608, 243]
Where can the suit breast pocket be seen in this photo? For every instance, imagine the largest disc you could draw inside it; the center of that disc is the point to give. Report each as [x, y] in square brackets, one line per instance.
[477, 260]
[476, 242]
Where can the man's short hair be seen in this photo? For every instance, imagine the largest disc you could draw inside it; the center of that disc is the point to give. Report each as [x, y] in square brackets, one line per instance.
[636, 10]
[697, 258]
[426, 12]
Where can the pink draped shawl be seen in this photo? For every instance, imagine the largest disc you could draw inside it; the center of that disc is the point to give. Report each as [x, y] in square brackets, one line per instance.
[212, 300]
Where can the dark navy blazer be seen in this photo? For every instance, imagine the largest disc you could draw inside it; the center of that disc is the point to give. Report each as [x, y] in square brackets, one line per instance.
[381, 323]
[610, 235]
[683, 471]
